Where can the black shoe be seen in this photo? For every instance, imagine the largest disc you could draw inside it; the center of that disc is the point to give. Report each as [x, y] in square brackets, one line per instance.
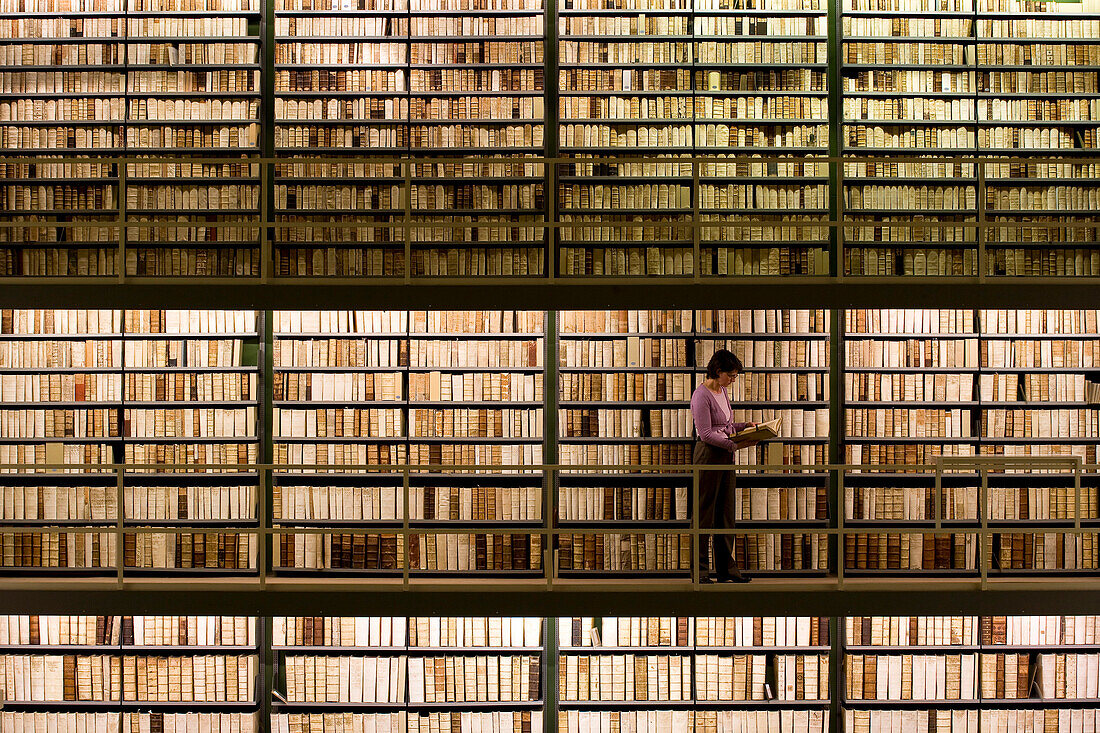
[705, 580]
[734, 578]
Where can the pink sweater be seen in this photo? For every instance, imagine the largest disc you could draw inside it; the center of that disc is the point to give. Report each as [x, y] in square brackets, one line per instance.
[711, 423]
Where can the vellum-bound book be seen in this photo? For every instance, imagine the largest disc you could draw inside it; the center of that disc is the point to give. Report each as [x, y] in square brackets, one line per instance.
[763, 431]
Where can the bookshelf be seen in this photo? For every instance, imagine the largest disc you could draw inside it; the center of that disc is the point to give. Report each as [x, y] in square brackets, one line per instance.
[149, 80]
[458, 85]
[157, 390]
[193, 93]
[677, 79]
[178, 397]
[913, 216]
[625, 83]
[328, 96]
[685, 673]
[911, 669]
[969, 383]
[398, 674]
[761, 91]
[69, 364]
[317, 377]
[61, 211]
[626, 382]
[986, 77]
[477, 73]
[787, 361]
[481, 93]
[1039, 405]
[450, 388]
[968, 672]
[910, 381]
[191, 406]
[624, 386]
[491, 416]
[1036, 66]
[130, 673]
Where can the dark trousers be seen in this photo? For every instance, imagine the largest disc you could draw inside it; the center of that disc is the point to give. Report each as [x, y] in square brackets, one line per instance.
[716, 509]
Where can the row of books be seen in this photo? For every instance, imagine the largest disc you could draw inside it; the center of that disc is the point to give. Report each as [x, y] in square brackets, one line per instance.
[669, 553]
[148, 550]
[859, 258]
[200, 678]
[991, 48]
[914, 677]
[1011, 551]
[36, 722]
[1000, 676]
[962, 353]
[345, 679]
[1075, 720]
[989, 631]
[397, 631]
[869, 678]
[409, 722]
[918, 503]
[427, 552]
[624, 677]
[504, 503]
[573, 632]
[116, 323]
[683, 721]
[706, 50]
[127, 631]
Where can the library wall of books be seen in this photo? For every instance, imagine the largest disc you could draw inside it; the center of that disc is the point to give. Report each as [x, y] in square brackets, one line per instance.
[543, 443]
[522, 138]
[396, 674]
[440, 489]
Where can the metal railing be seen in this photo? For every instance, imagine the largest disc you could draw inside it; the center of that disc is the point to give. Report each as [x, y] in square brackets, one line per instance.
[982, 234]
[545, 570]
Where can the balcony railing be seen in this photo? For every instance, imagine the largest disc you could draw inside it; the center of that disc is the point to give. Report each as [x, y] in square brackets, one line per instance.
[910, 232]
[1076, 536]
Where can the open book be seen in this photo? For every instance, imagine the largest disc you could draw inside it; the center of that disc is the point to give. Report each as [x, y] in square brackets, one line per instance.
[763, 431]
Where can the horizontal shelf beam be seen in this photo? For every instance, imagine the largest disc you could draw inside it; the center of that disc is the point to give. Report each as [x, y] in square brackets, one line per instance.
[542, 293]
[301, 597]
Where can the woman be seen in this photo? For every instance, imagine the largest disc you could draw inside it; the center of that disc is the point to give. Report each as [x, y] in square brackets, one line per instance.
[711, 411]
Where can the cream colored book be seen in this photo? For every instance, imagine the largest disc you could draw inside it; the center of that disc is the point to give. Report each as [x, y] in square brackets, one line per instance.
[762, 431]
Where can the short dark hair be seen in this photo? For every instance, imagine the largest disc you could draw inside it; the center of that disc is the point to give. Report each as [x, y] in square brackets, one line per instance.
[723, 360]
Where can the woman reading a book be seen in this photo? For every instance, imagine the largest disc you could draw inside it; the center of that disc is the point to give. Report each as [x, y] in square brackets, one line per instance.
[713, 416]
